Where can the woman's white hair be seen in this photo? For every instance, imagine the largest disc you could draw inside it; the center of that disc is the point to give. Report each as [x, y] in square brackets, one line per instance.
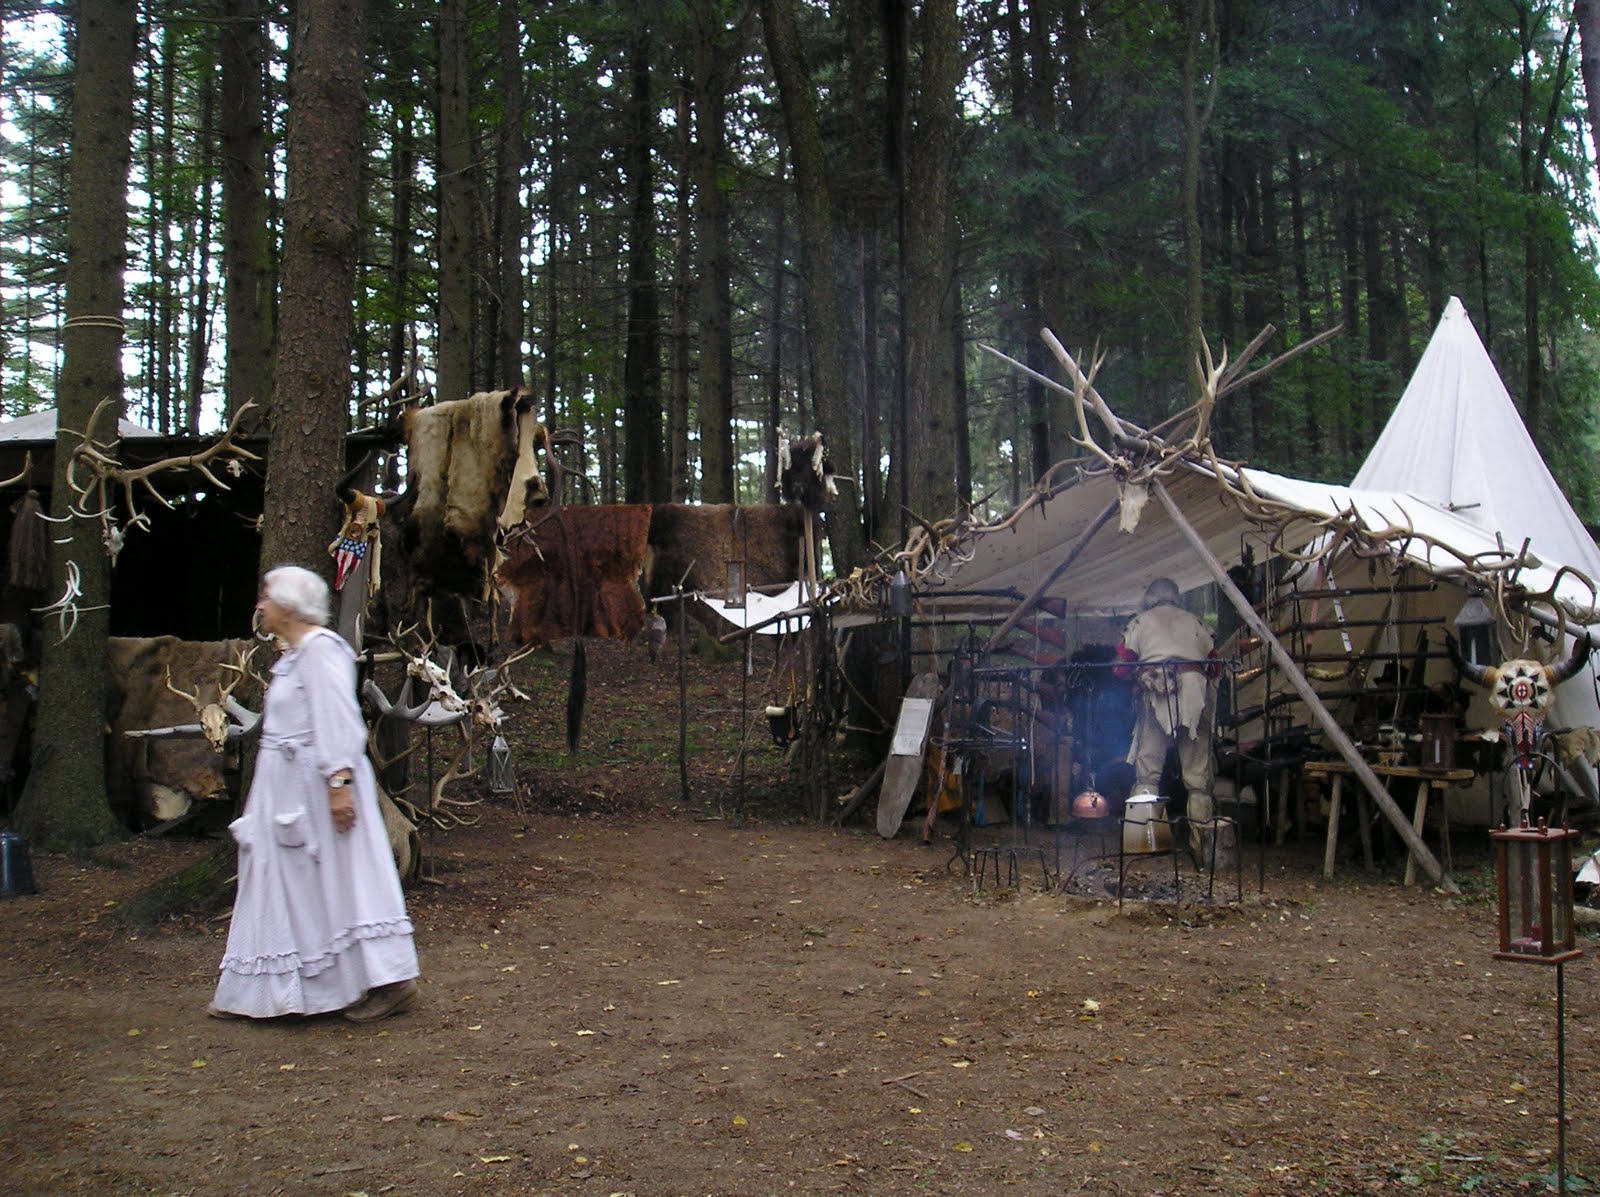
[298, 591]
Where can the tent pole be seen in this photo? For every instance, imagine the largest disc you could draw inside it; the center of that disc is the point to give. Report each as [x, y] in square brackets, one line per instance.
[1308, 695]
[1037, 593]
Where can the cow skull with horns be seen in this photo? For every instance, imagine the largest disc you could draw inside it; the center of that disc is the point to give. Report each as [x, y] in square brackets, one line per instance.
[1522, 691]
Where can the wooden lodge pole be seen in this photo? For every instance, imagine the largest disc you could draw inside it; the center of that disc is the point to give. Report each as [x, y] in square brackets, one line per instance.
[1308, 695]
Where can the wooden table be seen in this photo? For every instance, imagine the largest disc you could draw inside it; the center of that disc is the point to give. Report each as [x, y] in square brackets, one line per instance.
[1427, 780]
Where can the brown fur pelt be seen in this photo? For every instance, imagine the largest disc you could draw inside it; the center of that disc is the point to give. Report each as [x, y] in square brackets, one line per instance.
[30, 544]
[162, 776]
[462, 456]
[573, 571]
[700, 540]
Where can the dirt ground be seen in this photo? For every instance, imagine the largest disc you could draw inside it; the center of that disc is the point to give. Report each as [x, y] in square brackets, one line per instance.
[624, 993]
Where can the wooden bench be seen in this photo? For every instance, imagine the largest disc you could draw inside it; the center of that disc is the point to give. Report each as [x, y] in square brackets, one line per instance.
[1427, 781]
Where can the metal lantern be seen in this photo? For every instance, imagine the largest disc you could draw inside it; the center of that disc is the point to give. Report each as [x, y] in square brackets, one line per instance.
[502, 776]
[1475, 626]
[1534, 865]
[900, 595]
[733, 596]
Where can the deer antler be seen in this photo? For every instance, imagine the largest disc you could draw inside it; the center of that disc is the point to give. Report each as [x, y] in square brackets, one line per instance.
[22, 476]
[106, 470]
[445, 811]
[1082, 389]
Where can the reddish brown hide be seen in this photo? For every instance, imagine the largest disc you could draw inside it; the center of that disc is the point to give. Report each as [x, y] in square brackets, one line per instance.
[573, 571]
[700, 539]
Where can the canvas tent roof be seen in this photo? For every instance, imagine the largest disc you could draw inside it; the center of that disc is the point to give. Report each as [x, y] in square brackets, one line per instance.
[1454, 465]
[41, 426]
[1110, 576]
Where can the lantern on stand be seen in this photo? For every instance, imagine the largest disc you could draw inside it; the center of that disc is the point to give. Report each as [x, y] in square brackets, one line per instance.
[733, 593]
[502, 775]
[900, 595]
[1534, 868]
[1475, 626]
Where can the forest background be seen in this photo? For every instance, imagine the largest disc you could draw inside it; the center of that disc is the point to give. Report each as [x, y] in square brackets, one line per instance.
[687, 225]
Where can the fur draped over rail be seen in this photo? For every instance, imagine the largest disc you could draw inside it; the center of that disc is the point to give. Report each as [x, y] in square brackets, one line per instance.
[700, 539]
[471, 473]
[573, 571]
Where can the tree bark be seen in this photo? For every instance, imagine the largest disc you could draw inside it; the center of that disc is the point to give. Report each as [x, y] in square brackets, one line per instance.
[714, 63]
[931, 266]
[644, 460]
[310, 405]
[510, 321]
[1586, 16]
[63, 805]
[455, 168]
[247, 227]
[1197, 17]
[824, 325]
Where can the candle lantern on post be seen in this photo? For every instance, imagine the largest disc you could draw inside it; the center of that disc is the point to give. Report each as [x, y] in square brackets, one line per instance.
[1534, 869]
[1534, 866]
[733, 592]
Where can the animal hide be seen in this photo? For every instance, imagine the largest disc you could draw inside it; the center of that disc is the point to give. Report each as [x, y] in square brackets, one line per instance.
[162, 777]
[573, 571]
[700, 539]
[527, 490]
[805, 472]
[462, 455]
[30, 544]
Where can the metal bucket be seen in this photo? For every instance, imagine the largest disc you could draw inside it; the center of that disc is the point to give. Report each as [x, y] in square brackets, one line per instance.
[16, 870]
[1144, 825]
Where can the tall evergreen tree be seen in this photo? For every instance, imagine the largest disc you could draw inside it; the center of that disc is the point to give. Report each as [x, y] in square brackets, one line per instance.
[311, 397]
[64, 802]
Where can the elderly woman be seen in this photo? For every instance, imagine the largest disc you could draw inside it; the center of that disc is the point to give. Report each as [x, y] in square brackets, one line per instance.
[320, 923]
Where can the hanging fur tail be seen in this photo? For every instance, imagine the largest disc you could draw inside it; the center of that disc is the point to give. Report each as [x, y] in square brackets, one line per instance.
[577, 694]
[30, 544]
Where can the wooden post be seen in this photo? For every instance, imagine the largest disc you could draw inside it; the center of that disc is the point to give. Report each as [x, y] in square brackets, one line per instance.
[1308, 695]
[683, 698]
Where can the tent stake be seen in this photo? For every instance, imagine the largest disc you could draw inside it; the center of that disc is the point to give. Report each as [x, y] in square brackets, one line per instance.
[1308, 695]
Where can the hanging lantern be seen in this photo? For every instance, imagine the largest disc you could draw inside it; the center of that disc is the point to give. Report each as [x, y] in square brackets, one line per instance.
[733, 595]
[900, 595]
[1534, 865]
[1475, 627]
[502, 776]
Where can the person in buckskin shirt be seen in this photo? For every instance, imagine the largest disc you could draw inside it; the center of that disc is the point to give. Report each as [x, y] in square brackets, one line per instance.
[1175, 701]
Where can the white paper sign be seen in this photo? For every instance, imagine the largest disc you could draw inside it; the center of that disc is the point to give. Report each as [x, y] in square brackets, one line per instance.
[912, 727]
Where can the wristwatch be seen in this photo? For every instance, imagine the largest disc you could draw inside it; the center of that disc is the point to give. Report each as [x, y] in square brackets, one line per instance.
[338, 783]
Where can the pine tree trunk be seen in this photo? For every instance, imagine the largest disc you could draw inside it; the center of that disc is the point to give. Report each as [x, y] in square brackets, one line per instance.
[64, 802]
[931, 292]
[510, 322]
[713, 76]
[1586, 16]
[644, 462]
[311, 403]
[247, 229]
[455, 205]
[824, 329]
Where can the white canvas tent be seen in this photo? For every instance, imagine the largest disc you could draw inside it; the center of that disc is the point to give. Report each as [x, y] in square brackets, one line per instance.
[1454, 487]
[1457, 441]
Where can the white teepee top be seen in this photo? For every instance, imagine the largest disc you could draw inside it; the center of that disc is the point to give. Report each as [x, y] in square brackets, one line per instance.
[1455, 438]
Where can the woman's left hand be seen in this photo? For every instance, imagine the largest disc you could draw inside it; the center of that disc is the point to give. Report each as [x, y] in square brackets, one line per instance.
[342, 805]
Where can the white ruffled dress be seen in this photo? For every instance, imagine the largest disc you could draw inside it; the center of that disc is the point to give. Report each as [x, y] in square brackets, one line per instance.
[320, 917]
